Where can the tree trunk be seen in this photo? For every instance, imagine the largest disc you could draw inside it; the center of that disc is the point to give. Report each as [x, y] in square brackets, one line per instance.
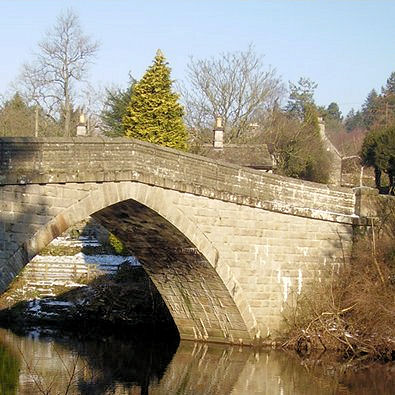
[67, 119]
[36, 121]
[377, 177]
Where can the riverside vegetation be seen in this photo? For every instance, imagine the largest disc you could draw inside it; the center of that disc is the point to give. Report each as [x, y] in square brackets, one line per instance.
[353, 310]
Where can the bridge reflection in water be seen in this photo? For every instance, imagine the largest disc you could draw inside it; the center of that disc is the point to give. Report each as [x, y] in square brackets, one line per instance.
[111, 366]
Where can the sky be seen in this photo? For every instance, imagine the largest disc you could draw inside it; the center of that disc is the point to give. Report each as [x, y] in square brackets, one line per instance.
[346, 46]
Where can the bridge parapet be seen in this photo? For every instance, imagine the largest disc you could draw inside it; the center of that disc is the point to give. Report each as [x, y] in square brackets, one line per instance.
[81, 160]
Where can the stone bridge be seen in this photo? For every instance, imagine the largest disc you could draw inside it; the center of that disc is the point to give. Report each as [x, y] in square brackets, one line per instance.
[226, 246]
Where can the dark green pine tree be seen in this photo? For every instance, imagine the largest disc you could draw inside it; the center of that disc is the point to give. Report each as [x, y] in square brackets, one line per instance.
[370, 109]
[389, 88]
[154, 114]
[116, 104]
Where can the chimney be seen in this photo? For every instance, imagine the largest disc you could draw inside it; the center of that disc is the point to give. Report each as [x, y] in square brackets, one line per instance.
[218, 134]
[321, 125]
[81, 128]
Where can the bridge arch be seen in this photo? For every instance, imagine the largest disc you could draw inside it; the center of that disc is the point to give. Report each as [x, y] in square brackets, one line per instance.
[201, 292]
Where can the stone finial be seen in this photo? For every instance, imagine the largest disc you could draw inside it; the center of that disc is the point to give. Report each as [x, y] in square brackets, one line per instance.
[159, 53]
[218, 133]
[81, 128]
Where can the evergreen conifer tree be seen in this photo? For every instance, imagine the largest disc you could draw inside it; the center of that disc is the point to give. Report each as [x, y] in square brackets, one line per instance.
[116, 104]
[154, 113]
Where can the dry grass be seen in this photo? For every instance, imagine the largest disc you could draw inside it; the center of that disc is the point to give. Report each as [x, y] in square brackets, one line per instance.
[354, 311]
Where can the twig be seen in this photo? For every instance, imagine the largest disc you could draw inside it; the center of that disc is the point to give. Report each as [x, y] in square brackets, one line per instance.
[374, 254]
[32, 373]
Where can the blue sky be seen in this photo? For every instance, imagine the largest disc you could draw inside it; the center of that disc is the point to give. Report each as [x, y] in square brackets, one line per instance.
[346, 46]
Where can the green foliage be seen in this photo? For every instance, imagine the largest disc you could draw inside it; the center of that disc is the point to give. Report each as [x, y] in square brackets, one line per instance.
[389, 88]
[310, 119]
[16, 118]
[116, 104]
[333, 112]
[378, 111]
[116, 244]
[305, 156]
[297, 147]
[311, 163]
[378, 151]
[370, 109]
[301, 94]
[316, 163]
[154, 114]
[385, 153]
[354, 120]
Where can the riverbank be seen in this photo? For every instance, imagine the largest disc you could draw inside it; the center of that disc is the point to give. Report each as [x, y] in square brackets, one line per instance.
[353, 311]
[85, 280]
[124, 299]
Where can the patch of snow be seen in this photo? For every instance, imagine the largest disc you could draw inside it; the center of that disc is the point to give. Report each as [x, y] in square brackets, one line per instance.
[71, 284]
[80, 242]
[34, 306]
[109, 260]
[47, 314]
[57, 303]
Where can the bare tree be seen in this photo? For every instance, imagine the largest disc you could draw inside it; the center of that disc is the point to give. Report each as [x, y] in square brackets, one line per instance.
[63, 59]
[235, 86]
[93, 98]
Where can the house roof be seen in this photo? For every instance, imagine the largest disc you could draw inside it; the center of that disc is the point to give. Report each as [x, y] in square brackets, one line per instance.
[254, 156]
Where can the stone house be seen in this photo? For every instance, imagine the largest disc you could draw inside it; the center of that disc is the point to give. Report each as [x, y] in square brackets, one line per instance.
[253, 156]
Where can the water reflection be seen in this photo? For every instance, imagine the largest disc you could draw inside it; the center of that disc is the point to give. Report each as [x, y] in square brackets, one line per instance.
[39, 363]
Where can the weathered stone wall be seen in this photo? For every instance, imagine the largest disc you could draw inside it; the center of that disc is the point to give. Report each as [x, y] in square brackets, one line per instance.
[225, 245]
[59, 160]
[224, 269]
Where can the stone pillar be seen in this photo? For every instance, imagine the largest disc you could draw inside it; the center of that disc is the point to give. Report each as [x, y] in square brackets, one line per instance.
[218, 134]
[81, 128]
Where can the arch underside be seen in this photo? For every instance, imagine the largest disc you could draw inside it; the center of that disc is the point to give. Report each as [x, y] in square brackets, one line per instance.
[194, 293]
[181, 261]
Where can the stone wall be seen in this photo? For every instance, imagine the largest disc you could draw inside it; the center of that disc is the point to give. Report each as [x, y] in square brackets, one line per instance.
[75, 160]
[226, 246]
[225, 270]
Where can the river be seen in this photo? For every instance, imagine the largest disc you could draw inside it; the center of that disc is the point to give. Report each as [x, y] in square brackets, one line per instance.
[41, 361]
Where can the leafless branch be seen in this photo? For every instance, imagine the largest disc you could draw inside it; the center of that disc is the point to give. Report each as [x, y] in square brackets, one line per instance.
[63, 59]
[235, 86]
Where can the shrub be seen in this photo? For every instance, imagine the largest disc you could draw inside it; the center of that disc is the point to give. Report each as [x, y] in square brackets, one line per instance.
[353, 310]
[116, 244]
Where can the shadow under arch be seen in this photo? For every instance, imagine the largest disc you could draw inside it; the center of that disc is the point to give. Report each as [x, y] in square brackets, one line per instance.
[179, 258]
